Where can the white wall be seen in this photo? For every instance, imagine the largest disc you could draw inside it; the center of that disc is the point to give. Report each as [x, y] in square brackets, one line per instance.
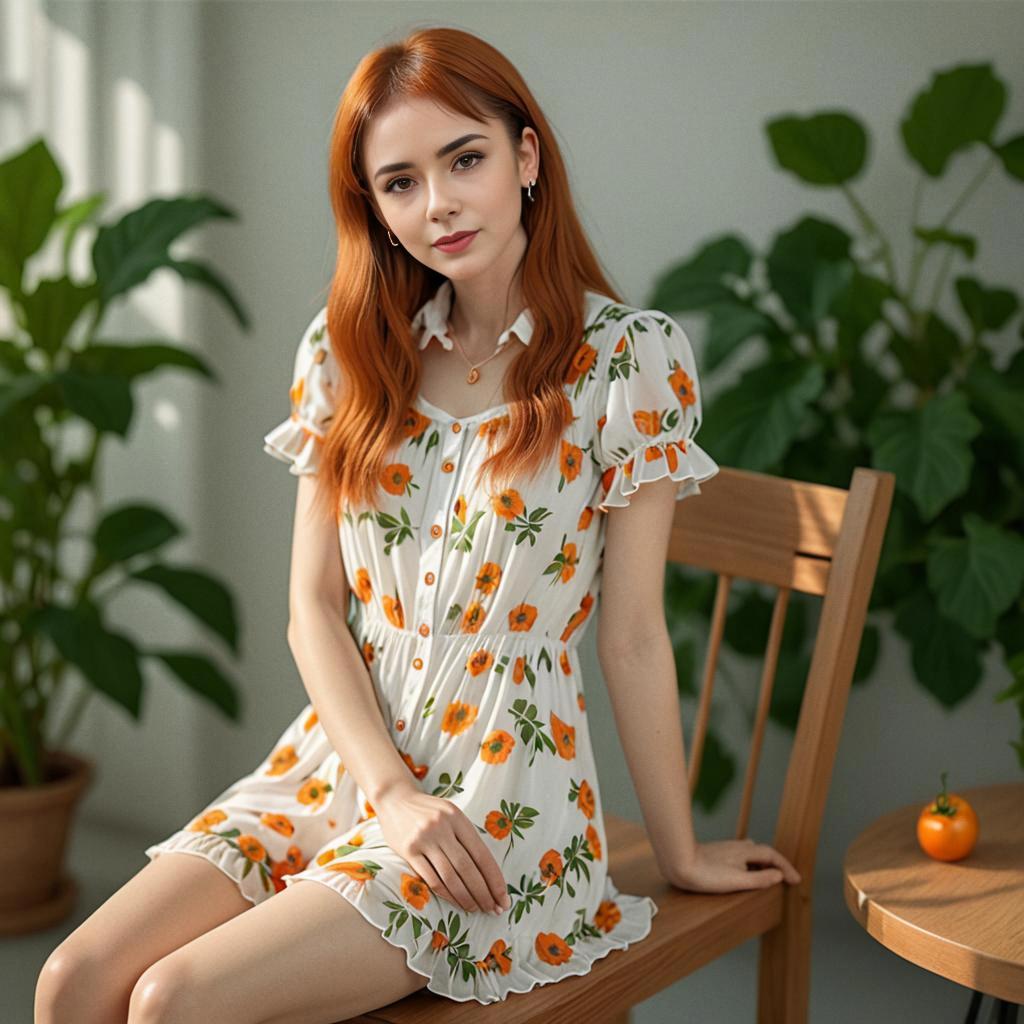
[659, 108]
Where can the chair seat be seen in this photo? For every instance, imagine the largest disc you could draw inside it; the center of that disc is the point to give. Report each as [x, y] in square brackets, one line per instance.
[689, 930]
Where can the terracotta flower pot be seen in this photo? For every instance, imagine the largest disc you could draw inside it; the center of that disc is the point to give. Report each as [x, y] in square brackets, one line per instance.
[35, 891]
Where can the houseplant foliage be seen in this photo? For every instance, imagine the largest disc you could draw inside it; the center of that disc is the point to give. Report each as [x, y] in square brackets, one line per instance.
[59, 377]
[854, 363]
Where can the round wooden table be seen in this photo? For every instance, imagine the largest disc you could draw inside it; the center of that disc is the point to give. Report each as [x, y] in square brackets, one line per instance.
[963, 920]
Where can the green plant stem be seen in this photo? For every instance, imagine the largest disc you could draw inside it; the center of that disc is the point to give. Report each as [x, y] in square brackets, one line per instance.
[871, 226]
[82, 698]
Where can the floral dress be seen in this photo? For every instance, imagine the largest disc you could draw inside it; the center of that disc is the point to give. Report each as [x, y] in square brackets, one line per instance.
[469, 608]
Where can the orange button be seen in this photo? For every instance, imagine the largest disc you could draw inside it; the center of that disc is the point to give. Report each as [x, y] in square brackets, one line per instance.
[448, 466]
[435, 531]
[424, 630]
[456, 427]
[429, 577]
[417, 663]
[400, 724]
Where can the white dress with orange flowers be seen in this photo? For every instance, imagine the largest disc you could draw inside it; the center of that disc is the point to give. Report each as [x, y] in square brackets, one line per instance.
[469, 608]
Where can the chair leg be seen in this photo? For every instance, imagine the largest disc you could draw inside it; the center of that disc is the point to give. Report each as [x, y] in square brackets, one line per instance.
[784, 965]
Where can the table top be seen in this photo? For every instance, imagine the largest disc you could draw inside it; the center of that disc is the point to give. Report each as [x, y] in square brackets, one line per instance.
[963, 920]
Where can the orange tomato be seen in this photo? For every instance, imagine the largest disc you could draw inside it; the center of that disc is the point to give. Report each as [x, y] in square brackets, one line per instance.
[947, 828]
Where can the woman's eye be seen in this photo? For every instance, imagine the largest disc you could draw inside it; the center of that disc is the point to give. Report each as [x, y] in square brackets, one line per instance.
[390, 187]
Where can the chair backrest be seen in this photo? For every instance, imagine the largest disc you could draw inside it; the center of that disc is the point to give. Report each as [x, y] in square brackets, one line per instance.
[800, 536]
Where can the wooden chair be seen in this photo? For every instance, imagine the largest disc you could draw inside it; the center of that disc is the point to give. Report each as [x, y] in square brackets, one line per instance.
[797, 536]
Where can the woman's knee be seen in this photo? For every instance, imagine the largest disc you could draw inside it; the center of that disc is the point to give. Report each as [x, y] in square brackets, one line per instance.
[164, 994]
[78, 976]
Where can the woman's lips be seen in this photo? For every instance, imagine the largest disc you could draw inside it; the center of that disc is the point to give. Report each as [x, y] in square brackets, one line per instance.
[456, 246]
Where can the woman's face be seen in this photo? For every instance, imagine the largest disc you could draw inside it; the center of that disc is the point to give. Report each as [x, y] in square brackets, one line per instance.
[472, 186]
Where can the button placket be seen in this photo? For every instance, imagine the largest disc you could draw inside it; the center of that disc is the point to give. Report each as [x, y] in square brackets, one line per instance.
[440, 500]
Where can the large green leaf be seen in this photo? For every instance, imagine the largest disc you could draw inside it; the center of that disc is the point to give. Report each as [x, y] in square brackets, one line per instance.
[827, 148]
[30, 183]
[946, 658]
[1000, 392]
[958, 109]
[132, 360]
[102, 399]
[131, 530]
[200, 594]
[702, 280]
[1011, 153]
[52, 309]
[126, 253]
[927, 448]
[927, 359]
[729, 325]
[976, 577]
[108, 660]
[751, 425]
[987, 309]
[202, 676]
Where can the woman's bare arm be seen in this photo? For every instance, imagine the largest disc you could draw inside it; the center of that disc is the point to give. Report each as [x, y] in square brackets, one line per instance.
[329, 661]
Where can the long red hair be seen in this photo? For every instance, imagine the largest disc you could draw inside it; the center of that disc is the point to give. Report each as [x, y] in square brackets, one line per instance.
[377, 287]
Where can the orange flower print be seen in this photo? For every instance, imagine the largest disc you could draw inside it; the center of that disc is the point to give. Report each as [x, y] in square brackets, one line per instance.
[363, 588]
[459, 509]
[368, 811]
[357, 840]
[578, 617]
[497, 959]
[292, 864]
[581, 701]
[311, 719]
[206, 821]
[419, 770]
[582, 361]
[295, 396]
[508, 504]
[564, 736]
[491, 428]
[252, 848]
[608, 915]
[585, 799]
[355, 870]
[594, 841]
[496, 747]
[551, 867]
[522, 617]
[552, 948]
[282, 759]
[571, 460]
[393, 611]
[414, 424]
[314, 791]
[564, 564]
[498, 825]
[682, 385]
[648, 421]
[473, 617]
[488, 576]
[585, 517]
[518, 670]
[479, 662]
[368, 652]
[395, 478]
[564, 663]
[458, 717]
[279, 823]
[415, 891]
[438, 940]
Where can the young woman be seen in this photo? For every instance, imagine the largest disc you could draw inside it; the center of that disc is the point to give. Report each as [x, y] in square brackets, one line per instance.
[486, 440]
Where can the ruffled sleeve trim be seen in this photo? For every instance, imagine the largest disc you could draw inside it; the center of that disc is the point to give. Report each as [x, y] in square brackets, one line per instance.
[682, 460]
[295, 443]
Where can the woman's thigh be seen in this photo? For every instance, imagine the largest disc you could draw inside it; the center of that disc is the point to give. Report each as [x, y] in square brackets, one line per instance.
[305, 956]
[169, 902]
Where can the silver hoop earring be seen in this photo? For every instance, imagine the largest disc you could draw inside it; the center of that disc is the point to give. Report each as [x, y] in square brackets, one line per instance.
[390, 239]
[529, 190]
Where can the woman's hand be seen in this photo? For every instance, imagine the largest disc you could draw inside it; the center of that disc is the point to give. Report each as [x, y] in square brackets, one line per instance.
[442, 845]
[723, 866]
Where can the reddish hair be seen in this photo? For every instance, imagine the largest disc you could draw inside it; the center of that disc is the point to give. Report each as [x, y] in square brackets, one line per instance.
[377, 287]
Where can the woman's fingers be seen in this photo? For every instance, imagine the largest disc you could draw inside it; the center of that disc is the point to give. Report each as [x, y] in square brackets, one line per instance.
[426, 871]
[495, 886]
[772, 856]
[470, 875]
[452, 876]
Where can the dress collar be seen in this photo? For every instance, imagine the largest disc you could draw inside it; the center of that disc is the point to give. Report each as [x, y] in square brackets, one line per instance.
[432, 319]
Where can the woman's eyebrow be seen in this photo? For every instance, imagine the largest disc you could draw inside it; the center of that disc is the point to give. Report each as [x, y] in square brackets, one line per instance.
[443, 151]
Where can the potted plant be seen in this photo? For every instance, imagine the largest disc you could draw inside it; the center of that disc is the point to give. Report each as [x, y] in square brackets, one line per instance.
[856, 364]
[58, 649]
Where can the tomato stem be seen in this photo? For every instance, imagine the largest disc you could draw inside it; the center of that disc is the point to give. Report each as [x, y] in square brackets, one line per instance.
[942, 804]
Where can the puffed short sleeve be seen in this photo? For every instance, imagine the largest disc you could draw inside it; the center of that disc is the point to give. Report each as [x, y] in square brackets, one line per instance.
[652, 410]
[298, 439]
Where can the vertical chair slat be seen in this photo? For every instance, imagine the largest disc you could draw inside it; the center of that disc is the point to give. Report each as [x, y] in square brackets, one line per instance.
[700, 726]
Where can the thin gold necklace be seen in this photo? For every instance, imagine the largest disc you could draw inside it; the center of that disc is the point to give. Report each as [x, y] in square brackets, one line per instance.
[474, 368]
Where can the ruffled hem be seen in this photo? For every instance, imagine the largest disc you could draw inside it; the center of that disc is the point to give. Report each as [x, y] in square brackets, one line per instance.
[490, 986]
[295, 443]
[223, 855]
[684, 461]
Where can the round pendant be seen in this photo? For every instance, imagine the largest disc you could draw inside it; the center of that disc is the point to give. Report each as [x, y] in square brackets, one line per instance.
[474, 376]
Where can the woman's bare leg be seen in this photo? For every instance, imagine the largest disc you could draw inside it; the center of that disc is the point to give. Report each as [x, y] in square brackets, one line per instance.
[89, 977]
[307, 956]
